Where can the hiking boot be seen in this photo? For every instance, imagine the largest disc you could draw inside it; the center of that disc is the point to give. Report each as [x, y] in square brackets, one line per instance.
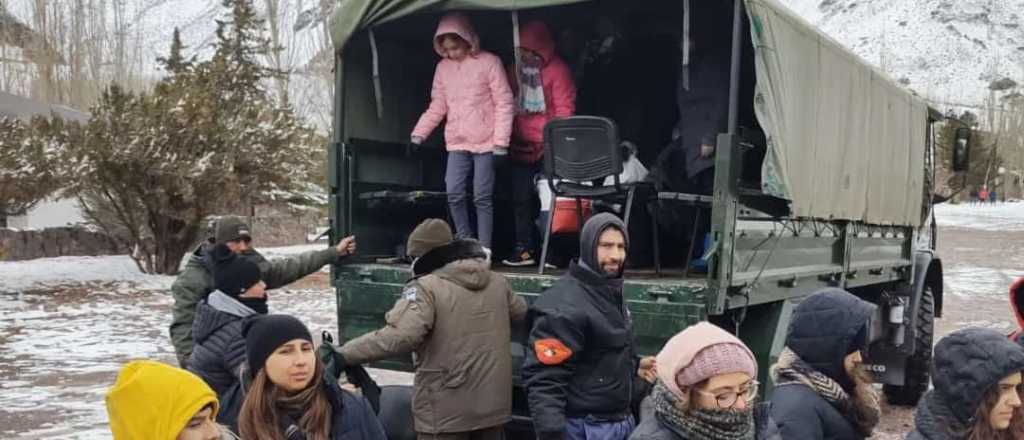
[520, 259]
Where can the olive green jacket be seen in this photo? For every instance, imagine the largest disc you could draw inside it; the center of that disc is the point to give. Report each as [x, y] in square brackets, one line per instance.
[196, 281]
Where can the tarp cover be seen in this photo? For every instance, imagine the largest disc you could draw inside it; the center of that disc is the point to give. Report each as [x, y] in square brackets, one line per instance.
[845, 142]
[352, 15]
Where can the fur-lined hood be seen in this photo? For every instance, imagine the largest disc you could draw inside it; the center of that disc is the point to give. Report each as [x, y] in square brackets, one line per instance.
[464, 262]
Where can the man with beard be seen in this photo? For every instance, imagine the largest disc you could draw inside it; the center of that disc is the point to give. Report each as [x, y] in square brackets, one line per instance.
[821, 391]
[581, 371]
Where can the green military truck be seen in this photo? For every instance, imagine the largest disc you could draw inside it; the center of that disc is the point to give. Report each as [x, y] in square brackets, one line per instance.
[841, 192]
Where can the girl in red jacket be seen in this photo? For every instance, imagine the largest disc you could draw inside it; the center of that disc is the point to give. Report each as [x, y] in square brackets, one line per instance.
[545, 91]
[471, 92]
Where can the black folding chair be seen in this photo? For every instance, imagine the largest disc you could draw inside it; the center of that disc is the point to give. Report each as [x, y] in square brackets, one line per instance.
[579, 150]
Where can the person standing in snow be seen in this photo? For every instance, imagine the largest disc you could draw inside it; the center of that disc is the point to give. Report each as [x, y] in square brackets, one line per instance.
[455, 315]
[581, 371]
[220, 345]
[471, 92]
[821, 391]
[707, 383]
[977, 379]
[546, 91]
[152, 400]
[196, 281]
[290, 396]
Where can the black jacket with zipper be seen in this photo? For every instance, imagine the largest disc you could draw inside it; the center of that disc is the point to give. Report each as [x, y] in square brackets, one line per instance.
[586, 313]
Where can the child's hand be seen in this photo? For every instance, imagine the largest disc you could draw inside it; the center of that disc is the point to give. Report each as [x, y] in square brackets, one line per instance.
[416, 140]
[500, 151]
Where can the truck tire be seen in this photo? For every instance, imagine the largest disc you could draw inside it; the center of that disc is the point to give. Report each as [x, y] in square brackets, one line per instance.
[918, 368]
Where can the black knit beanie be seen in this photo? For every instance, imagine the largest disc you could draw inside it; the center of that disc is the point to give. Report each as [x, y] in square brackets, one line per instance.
[232, 274]
[265, 333]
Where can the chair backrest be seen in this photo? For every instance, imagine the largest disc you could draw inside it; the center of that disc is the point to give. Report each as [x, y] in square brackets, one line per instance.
[582, 148]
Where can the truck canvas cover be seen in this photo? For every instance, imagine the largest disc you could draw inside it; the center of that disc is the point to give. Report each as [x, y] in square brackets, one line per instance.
[845, 142]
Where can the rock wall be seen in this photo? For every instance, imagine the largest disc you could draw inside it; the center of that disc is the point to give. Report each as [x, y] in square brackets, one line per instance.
[55, 242]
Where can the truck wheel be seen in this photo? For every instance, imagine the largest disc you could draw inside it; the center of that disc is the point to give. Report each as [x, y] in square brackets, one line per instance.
[918, 368]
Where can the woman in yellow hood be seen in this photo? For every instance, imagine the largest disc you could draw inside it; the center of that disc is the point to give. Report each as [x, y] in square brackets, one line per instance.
[155, 401]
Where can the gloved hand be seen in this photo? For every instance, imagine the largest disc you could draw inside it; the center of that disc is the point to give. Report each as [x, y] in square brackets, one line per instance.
[334, 362]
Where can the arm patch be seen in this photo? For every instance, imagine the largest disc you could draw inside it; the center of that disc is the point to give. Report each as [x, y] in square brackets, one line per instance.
[551, 351]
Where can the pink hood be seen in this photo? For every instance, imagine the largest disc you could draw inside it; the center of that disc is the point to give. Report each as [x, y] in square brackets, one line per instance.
[456, 23]
[679, 351]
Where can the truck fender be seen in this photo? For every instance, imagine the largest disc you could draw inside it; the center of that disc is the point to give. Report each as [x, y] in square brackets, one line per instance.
[927, 272]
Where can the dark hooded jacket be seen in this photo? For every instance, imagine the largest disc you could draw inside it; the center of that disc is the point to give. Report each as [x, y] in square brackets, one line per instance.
[966, 365]
[219, 344]
[824, 329]
[196, 282]
[703, 107]
[581, 361]
[455, 316]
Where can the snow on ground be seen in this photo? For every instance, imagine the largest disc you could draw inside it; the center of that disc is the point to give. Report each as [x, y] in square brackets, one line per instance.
[20, 275]
[68, 324]
[999, 217]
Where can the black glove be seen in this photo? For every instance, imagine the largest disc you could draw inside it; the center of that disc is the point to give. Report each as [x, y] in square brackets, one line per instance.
[334, 362]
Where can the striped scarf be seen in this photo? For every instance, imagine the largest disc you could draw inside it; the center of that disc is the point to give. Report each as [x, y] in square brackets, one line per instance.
[701, 424]
[862, 411]
[531, 84]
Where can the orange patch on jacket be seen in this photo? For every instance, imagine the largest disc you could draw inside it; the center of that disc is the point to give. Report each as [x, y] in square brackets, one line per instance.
[551, 351]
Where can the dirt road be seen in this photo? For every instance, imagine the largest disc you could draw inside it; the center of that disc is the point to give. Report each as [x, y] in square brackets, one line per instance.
[60, 347]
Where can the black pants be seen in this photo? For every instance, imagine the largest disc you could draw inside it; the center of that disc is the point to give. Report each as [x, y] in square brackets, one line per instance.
[525, 203]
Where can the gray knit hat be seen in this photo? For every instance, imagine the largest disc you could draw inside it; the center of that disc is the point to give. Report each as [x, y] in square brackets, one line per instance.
[231, 228]
[428, 235]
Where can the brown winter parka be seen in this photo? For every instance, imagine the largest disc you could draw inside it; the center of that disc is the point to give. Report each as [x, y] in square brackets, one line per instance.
[455, 316]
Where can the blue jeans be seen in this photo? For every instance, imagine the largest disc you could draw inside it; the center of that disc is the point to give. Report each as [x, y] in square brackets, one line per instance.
[588, 429]
[460, 165]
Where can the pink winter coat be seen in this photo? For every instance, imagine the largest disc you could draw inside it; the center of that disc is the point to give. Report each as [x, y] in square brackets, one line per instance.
[559, 93]
[473, 94]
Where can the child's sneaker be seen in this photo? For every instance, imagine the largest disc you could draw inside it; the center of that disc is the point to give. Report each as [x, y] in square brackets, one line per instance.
[520, 259]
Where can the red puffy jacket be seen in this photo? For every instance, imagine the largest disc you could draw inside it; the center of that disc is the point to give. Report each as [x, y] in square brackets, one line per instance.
[559, 94]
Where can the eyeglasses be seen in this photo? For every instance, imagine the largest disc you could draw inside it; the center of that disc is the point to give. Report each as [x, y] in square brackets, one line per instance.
[727, 399]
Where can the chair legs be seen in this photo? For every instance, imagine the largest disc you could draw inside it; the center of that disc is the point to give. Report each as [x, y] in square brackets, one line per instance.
[657, 244]
[547, 238]
[693, 243]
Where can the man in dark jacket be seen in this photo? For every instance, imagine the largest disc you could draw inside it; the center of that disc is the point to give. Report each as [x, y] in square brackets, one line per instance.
[455, 317]
[821, 390]
[969, 366]
[581, 374]
[196, 281]
[220, 345]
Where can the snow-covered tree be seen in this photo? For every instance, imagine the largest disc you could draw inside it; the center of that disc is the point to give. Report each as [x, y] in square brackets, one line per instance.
[28, 161]
[149, 168]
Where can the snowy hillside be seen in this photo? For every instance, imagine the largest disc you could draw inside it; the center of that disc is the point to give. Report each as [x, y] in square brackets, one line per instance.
[945, 50]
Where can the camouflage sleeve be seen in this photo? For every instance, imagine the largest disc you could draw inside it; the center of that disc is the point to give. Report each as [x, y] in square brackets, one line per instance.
[190, 287]
[280, 272]
[407, 324]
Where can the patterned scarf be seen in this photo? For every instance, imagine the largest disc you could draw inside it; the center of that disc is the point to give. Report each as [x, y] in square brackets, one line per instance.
[531, 85]
[862, 410]
[701, 424]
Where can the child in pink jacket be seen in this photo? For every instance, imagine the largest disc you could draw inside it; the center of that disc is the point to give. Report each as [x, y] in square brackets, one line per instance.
[470, 90]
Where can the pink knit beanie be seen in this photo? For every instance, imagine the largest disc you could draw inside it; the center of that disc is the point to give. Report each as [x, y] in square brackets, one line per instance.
[700, 352]
[717, 359]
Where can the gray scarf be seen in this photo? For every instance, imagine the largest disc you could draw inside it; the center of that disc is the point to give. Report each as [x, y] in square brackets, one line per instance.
[701, 424]
[862, 412]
